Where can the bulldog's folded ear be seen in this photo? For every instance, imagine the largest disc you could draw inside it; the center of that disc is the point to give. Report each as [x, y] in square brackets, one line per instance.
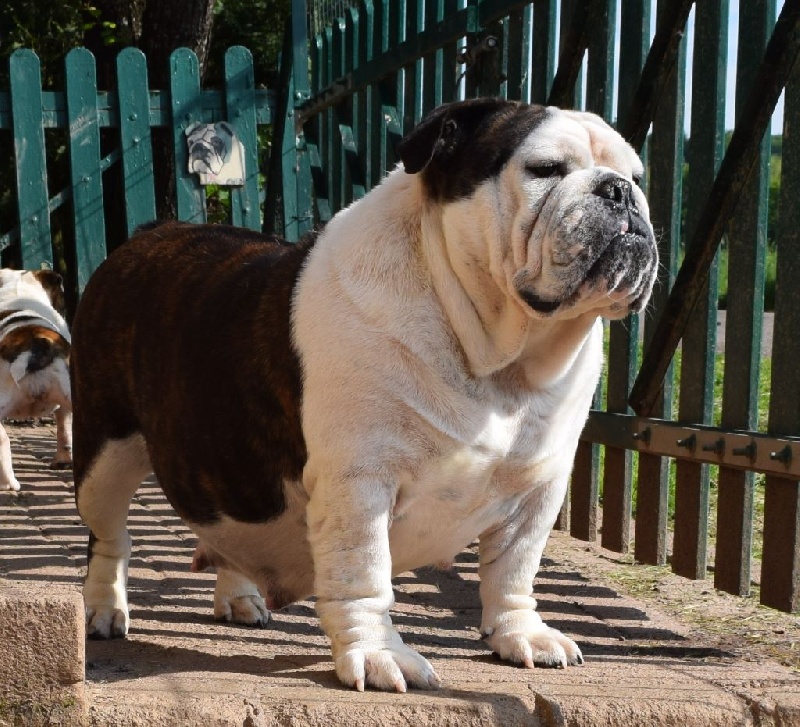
[445, 131]
[49, 279]
[53, 284]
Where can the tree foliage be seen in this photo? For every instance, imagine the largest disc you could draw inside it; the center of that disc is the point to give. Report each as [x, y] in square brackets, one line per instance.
[256, 25]
[52, 27]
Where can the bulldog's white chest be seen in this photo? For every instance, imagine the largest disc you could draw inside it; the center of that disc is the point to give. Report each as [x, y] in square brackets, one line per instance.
[470, 486]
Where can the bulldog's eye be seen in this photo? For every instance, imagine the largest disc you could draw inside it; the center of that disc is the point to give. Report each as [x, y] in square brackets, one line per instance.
[544, 171]
[637, 180]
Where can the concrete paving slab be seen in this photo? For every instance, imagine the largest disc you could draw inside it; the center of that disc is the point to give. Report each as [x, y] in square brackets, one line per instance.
[180, 667]
[41, 653]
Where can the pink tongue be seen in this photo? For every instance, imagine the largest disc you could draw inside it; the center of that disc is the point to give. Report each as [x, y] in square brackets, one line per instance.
[624, 228]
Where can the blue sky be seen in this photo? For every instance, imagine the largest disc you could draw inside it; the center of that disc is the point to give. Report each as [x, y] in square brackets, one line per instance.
[733, 38]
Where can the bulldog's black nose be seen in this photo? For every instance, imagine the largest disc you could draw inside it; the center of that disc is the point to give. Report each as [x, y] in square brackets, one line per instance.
[614, 188]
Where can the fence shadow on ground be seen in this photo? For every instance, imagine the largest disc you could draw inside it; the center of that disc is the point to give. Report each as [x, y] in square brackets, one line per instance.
[172, 625]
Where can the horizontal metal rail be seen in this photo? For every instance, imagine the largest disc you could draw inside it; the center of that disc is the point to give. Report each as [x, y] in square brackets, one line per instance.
[54, 108]
[696, 442]
[455, 26]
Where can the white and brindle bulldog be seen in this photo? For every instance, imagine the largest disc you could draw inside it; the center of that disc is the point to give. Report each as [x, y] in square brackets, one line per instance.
[329, 414]
[34, 360]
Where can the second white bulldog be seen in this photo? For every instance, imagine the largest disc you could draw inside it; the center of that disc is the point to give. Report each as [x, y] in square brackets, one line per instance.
[444, 346]
[34, 361]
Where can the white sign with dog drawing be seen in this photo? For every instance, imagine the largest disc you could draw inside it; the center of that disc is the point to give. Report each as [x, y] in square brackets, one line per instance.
[215, 154]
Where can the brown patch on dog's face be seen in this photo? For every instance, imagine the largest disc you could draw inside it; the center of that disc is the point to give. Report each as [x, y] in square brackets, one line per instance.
[53, 284]
[460, 145]
[33, 338]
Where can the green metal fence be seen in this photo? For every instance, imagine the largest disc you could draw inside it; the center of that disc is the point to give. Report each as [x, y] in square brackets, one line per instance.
[82, 112]
[655, 439]
[676, 441]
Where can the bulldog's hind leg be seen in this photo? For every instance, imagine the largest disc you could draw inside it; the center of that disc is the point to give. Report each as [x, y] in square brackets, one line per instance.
[63, 456]
[105, 482]
[236, 597]
[237, 600]
[7, 479]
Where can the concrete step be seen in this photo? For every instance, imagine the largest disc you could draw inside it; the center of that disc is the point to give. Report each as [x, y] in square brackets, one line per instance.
[180, 667]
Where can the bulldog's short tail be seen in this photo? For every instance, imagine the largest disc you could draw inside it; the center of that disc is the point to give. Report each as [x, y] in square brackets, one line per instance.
[32, 348]
[43, 352]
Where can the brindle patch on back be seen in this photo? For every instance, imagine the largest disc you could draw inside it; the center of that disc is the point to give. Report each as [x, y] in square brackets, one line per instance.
[183, 334]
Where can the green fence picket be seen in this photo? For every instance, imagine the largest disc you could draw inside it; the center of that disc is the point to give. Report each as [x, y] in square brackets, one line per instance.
[624, 335]
[412, 81]
[380, 31]
[316, 139]
[364, 132]
[432, 62]
[85, 172]
[543, 66]
[745, 301]
[338, 168]
[665, 192]
[450, 52]
[240, 107]
[353, 111]
[187, 109]
[692, 480]
[135, 142]
[780, 564]
[518, 42]
[31, 161]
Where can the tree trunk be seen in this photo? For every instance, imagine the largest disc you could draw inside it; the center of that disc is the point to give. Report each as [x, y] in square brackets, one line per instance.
[167, 25]
[171, 24]
[156, 27]
[115, 28]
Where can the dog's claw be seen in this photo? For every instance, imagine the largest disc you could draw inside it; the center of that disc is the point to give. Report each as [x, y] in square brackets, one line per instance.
[540, 646]
[106, 622]
[247, 610]
[389, 669]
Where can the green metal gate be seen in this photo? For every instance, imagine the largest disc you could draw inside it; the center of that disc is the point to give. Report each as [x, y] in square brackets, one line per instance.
[665, 452]
[371, 69]
[131, 112]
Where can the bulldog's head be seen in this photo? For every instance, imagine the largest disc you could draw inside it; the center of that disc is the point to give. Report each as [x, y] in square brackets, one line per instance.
[546, 201]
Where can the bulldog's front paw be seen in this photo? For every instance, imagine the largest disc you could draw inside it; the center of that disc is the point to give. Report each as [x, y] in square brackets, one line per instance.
[393, 668]
[12, 484]
[247, 610]
[106, 622]
[536, 645]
